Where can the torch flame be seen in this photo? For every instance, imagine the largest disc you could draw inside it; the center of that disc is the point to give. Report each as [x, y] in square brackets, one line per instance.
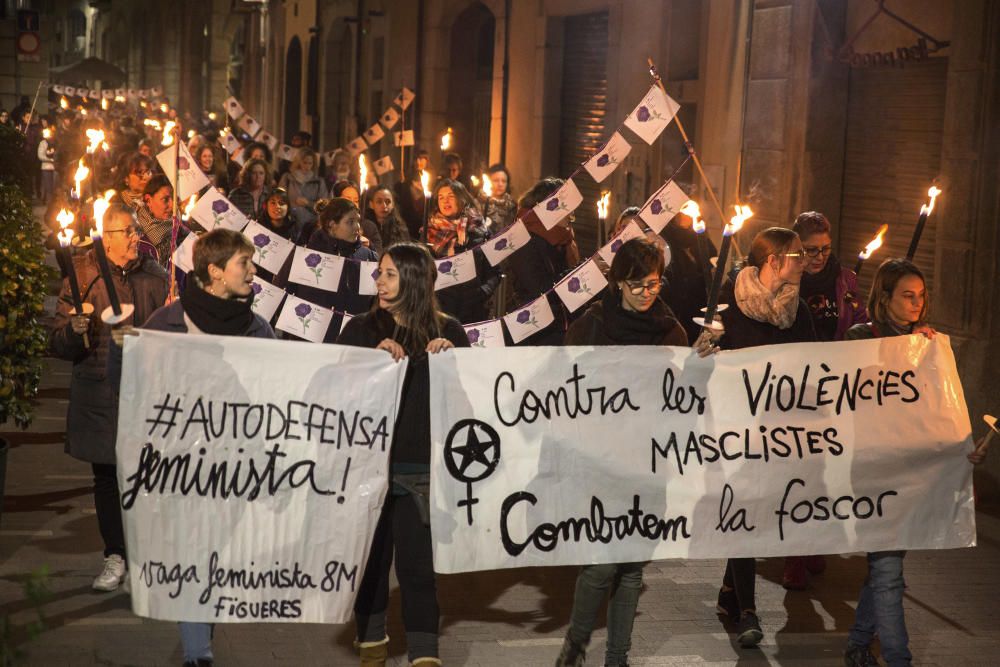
[875, 243]
[119, 98]
[363, 172]
[83, 111]
[446, 140]
[189, 207]
[153, 123]
[101, 205]
[487, 185]
[65, 235]
[933, 193]
[104, 103]
[212, 115]
[47, 133]
[164, 108]
[475, 180]
[425, 182]
[81, 175]
[603, 204]
[693, 211]
[95, 139]
[168, 137]
[743, 213]
[63, 103]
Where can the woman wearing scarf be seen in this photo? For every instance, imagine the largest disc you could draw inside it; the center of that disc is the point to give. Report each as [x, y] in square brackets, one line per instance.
[303, 185]
[454, 226]
[216, 300]
[630, 313]
[764, 309]
[499, 208]
[542, 261]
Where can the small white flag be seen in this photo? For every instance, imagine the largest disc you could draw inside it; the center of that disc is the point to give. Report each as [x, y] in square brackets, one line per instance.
[663, 206]
[184, 254]
[266, 298]
[529, 319]
[132, 92]
[316, 269]
[608, 158]
[652, 115]
[58, 89]
[249, 125]
[581, 286]
[404, 98]
[460, 268]
[610, 249]
[404, 138]
[286, 152]
[93, 94]
[213, 210]
[503, 245]
[270, 250]
[389, 118]
[156, 91]
[485, 334]
[143, 94]
[383, 165]
[374, 134]
[561, 203]
[192, 179]
[233, 108]
[108, 94]
[303, 319]
[239, 158]
[356, 146]
[347, 317]
[369, 274]
[230, 143]
[268, 140]
[120, 92]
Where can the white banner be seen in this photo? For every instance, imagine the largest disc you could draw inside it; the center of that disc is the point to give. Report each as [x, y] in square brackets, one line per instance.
[192, 178]
[503, 245]
[652, 115]
[559, 204]
[460, 268]
[610, 249]
[663, 206]
[576, 455]
[251, 482]
[316, 269]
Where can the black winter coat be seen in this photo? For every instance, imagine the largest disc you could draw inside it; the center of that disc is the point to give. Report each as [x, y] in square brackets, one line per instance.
[92, 418]
[743, 331]
[535, 268]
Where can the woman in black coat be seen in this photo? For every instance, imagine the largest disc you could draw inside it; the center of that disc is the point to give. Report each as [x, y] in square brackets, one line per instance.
[764, 309]
[405, 321]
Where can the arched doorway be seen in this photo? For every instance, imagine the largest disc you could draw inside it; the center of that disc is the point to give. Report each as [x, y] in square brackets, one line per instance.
[470, 85]
[338, 62]
[293, 88]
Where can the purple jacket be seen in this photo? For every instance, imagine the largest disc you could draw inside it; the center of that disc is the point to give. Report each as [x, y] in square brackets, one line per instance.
[850, 306]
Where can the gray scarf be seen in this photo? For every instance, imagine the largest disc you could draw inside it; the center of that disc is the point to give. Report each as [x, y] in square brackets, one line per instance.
[758, 303]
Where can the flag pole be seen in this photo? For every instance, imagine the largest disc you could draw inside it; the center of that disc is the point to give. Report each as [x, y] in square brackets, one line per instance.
[694, 156]
[402, 146]
[175, 228]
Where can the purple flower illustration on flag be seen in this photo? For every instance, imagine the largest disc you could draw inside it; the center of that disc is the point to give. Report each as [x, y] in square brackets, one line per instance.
[255, 288]
[302, 312]
[505, 244]
[447, 267]
[375, 274]
[553, 204]
[575, 286]
[525, 317]
[313, 262]
[262, 241]
[219, 206]
[616, 245]
[606, 159]
[656, 206]
[474, 337]
[183, 164]
[644, 114]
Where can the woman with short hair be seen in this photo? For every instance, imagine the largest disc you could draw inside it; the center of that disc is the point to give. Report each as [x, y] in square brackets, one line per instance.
[404, 321]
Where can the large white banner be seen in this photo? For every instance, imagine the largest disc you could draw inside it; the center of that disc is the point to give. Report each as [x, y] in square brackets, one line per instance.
[252, 474]
[576, 455]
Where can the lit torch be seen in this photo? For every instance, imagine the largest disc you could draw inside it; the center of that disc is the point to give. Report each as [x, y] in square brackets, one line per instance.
[874, 245]
[603, 204]
[164, 108]
[189, 207]
[65, 236]
[425, 184]
[487, 185]
[151, 122]
[63, 103]
[104, 104]
[81, 175]
[94, 138]
[446, 140]
[116, 314]
[47, 133]
[925, 210]
[168, 136]
[693, 211]
[743, 213]
[363, 172]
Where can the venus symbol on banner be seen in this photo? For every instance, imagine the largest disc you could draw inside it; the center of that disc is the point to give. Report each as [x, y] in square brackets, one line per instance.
[610, 249]
[652, 115]
[266, 298]
[663, 206]
[581, 286]
[460, 268]
[503, 245]
[471, 454]
[608, 158]
[529, 319]
[316, 269]
[270, 250]
[560, 204]
[303, 319]
[485, 334]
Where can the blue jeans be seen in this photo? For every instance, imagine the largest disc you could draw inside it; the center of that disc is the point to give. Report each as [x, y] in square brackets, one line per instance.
[593, 582]
[880, 608]
[196, 639]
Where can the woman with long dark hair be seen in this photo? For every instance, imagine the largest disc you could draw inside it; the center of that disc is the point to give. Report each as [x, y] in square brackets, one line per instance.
[764, 309]
[380, 222]
[253, 189]
[405, 321]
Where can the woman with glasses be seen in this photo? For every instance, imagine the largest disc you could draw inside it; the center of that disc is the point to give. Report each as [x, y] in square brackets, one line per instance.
[764, 309]
[630, 313]
[134, 170]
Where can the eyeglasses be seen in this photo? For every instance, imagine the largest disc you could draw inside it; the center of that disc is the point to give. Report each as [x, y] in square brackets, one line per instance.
[128, 231]
[797, 256]
[638, 288]
[146, 173]
[813, 251]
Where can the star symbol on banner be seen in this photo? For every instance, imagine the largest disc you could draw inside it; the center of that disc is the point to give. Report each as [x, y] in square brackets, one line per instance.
[478, 457]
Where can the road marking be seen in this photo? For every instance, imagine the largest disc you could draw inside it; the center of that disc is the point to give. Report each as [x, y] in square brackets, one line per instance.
[26, 533]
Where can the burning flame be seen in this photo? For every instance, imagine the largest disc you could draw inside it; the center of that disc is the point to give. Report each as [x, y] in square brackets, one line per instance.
[743, 213]
[446, 140]
[189, 207]
[475, 180]
[603, 204]
[83, 111]
[81, 175]
[101, 205]
[875, 244]
[168, 129]
[425, 182]
[104, 103]
[693, 211]
[63, 103]
[153, 123]
[119, 98]
[363, 172]
[212, 115]
[933, 193]
[95, 139]
[487, 185]
[164, 108]
[47, 133]
[65, 235]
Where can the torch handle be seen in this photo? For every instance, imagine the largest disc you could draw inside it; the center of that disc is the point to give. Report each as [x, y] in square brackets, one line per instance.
[917, 233]
[706, 268]
[857, 267]
[109, 283]
[720, 270]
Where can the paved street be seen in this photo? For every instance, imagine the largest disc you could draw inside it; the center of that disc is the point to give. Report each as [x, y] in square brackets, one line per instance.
[499, 618]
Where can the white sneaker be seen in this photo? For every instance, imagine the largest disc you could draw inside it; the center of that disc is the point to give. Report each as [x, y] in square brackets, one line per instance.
[111, 577]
